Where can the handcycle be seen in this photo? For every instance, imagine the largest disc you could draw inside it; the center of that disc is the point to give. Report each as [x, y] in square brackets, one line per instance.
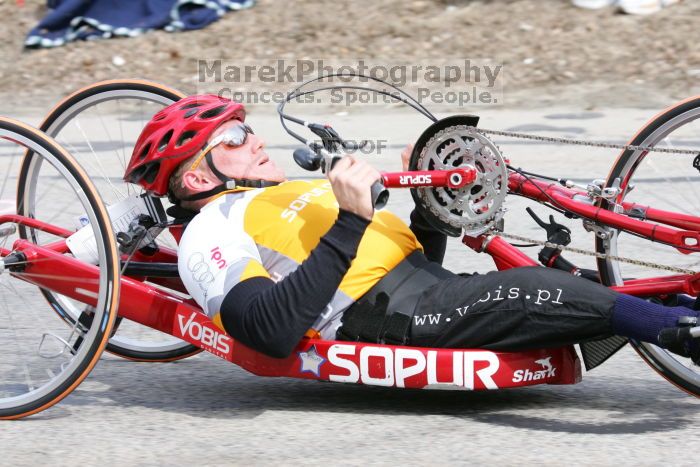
[132, 303]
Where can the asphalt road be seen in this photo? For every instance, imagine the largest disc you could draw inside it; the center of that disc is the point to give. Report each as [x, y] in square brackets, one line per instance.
[204, 411]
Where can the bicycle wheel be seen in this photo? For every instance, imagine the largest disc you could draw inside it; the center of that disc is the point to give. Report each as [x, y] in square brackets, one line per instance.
[663, 181]
[42, 360]
[100, 124]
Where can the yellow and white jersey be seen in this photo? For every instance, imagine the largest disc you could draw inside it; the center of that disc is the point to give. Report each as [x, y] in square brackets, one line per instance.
[269, 232]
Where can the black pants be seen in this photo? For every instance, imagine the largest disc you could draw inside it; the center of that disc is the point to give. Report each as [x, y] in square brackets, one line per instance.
[516, 309]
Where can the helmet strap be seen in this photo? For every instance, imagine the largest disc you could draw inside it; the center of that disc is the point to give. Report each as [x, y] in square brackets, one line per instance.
[220, 175]
[228, 183]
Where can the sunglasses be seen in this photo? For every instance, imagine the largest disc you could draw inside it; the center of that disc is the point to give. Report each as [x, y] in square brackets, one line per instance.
[233, 137]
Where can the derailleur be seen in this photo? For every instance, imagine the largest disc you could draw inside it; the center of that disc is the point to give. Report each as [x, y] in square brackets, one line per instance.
[596, 189]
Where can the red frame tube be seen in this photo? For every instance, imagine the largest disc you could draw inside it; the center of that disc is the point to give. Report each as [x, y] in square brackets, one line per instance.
[456, 178]
[676, 219]
[560, 196]
[34, 223]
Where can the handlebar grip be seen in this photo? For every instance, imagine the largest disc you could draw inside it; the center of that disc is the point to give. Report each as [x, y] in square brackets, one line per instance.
[380, 196]
[564, 265]
[672, 337]
[307, 159]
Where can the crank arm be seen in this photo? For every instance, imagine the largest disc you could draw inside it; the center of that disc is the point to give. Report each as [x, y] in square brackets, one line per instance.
[454, 179]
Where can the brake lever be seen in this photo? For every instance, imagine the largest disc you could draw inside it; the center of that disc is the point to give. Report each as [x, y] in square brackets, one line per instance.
[330, 139]
[555, 232]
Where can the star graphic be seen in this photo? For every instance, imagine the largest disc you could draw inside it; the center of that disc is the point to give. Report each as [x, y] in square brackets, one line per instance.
[311, 361]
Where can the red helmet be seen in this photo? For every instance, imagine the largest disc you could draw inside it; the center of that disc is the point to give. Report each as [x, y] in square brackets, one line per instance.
[175, 134]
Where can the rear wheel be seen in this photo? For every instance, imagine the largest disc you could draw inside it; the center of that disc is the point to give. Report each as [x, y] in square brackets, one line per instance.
[663, 181]
[100, 124]
[43, 360]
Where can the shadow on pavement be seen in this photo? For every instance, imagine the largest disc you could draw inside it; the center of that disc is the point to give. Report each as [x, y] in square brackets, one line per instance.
[206, 388]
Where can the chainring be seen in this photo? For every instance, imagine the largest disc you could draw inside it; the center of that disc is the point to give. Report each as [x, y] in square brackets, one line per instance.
[475, 208]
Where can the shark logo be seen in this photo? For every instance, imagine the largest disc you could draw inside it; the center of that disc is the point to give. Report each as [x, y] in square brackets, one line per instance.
[546, 364]
[548, 371]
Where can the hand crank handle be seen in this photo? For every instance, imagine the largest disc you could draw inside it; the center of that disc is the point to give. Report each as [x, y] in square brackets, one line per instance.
[380, 195]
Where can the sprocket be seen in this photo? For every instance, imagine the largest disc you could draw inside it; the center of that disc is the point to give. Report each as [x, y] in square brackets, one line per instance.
[475, 208]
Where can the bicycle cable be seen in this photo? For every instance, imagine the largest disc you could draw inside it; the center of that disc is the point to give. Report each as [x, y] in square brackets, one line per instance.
[400, 96]
[405, 98]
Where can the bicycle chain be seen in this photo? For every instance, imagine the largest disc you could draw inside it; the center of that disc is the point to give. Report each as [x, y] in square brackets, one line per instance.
[603, 256]
[579, 142]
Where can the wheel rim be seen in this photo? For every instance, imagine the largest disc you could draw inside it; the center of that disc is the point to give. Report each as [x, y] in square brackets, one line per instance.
[33, 378]
[83, 128]
[664, 181]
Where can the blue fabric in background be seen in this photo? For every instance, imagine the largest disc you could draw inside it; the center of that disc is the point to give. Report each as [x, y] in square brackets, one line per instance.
[71, 20]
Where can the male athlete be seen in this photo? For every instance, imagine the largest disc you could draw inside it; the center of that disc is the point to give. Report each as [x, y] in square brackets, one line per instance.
[272, 260]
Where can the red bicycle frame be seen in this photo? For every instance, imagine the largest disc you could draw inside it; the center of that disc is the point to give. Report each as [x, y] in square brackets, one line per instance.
[681, 231]
[374, 364]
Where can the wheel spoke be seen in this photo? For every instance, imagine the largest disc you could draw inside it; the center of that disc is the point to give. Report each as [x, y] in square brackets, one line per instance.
[25, 368]
[112, 142]
[119, 194]
[8, 171]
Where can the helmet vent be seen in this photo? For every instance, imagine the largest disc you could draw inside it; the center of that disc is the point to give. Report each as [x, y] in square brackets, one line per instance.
[185, 138]
[190, 112]
[211, 113]
[151, 172]
[191, 105]
[145, 151]
[165, 140]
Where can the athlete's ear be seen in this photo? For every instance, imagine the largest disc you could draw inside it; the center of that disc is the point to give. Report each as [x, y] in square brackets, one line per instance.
[196, 180]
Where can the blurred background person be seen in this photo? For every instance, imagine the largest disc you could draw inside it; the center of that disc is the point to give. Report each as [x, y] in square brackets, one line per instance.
[631, 7]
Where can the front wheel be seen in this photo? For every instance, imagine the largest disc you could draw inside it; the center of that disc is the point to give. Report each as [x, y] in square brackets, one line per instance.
[664, 181]
[42, 359]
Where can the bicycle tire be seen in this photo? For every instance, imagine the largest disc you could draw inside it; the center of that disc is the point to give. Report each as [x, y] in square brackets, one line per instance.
[656, 130]
[95, 337]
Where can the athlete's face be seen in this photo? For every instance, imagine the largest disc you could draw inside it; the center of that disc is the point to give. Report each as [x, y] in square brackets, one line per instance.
[248, 161]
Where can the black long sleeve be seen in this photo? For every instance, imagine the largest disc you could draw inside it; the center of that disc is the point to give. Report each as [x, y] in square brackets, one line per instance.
[434, 242]
[272, 317]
